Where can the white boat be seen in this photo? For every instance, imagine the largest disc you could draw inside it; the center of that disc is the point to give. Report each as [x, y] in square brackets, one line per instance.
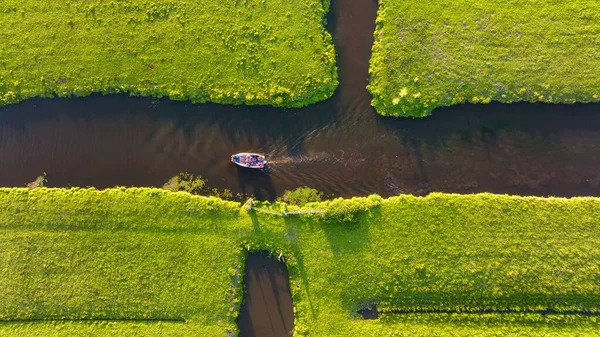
[249, 160]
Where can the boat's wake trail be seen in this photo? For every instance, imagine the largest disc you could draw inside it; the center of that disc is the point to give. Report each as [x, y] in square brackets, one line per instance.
[311, 158]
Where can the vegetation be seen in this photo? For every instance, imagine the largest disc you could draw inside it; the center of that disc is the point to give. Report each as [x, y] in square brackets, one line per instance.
[301, 196]
[186, 182]
[449, 52]
[225, 51]
[141, 255]
[40, 181]
[197, 185]
[482, 264]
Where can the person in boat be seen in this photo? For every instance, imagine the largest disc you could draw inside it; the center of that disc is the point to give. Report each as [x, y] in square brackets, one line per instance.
[249, 160]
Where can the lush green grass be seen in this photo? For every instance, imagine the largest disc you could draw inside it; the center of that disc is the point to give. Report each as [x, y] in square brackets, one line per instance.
[433, 325]
[453, 51]
[107, 274]
[82, 255]
[226, 51]
[108, 329]
[152, 254]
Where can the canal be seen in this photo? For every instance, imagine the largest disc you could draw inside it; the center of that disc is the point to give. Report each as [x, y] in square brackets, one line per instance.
[340, 146]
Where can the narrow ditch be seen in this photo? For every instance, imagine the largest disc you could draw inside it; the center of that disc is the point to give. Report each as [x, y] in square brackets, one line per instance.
[94, 320]
[373, 313]
[267, 309]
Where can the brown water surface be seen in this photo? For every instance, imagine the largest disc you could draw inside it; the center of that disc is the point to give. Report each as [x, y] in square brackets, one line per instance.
[339, 146]
[267, 309]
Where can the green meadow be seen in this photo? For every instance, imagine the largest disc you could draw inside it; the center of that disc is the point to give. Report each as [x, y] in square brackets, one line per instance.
[149, 262]
[449, 52]
[224, 51]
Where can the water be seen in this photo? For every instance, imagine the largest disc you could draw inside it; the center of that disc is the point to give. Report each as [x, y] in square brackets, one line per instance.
[339, 146]
[267, 309]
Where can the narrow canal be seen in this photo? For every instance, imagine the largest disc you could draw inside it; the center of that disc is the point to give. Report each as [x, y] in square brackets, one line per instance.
[339, 146]
[267, 309]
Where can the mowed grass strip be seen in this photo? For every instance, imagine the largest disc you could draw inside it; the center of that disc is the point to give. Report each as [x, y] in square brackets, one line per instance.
[225, 51]
[449, 52]
[469, 254]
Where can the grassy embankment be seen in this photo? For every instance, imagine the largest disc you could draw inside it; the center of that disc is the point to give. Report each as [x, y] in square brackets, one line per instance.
[167, 262]
[449, 52]
[225, 51]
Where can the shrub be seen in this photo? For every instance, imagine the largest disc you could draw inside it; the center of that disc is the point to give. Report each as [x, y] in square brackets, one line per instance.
[301, 196]
[349, 210]
[186, 182]
[196, 185]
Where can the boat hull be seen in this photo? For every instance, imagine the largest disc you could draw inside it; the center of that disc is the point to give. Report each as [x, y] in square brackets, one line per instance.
[249, 160]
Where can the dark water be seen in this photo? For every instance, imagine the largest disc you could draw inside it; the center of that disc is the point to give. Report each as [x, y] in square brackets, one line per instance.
[267, 309]
[339, 146]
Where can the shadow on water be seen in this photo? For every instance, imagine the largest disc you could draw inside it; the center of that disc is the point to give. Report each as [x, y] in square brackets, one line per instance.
[256, 183]
[339, 146]
[267, 308]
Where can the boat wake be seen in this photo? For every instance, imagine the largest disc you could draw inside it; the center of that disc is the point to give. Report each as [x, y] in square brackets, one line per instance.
[302, 159]
[315, 158]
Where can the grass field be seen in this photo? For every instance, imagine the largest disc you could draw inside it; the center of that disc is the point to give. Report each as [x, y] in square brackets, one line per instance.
[225, 51]
[449, 52]
[167, 264]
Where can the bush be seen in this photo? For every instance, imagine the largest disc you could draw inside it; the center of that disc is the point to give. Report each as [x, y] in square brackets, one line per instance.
[186, 182]
[196, 185]
[349, 210]
[301, 196]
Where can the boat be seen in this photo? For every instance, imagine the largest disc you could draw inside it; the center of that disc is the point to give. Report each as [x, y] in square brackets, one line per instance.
[249, 160]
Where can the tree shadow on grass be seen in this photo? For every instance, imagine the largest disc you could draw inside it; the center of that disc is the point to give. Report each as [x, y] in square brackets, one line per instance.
[294, 229]
[293, 233]
[351, 248]
[255, 222]
[347, 237]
